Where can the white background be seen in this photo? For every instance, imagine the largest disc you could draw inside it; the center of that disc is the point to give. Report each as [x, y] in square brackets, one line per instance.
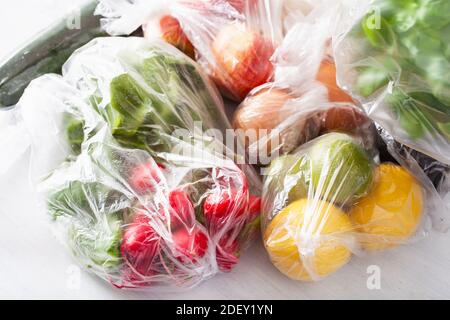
[33, 264]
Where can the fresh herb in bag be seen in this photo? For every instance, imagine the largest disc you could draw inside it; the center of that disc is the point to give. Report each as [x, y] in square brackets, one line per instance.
[396, 61]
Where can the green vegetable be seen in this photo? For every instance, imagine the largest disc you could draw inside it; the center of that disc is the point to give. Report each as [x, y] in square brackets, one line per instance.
[95, 213]
[413, 35]
[74, 132]
[97, 242]
[85, 200]
[445, 128]
[158, 95]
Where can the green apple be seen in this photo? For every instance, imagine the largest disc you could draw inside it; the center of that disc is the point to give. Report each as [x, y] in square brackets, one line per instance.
[341, 169]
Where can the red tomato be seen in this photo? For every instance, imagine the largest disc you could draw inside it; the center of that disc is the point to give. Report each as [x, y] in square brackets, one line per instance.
[190, 245]
[145, 177]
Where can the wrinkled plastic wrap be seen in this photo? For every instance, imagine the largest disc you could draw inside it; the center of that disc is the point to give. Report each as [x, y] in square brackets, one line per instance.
[333, 198]
[138, 190]
[335, 183]
[233, 40]
[395, 61]
[281, 115]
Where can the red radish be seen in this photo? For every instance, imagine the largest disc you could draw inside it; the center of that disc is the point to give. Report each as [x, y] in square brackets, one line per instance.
[190, 245]
[223, 204]
[178, 208]
[141, 247]
[227, 254]
[183, 212]
[145, 177]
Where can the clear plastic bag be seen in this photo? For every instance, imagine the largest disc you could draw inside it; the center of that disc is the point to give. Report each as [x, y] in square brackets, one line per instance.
[137, 188]
[394, 60]
[279, 116]
[335, 184]
[232, 40]
[332, 198]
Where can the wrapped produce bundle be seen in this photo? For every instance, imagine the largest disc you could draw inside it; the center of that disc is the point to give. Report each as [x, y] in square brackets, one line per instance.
[333, 186]
[140, 193]
[394, 60]
[304, 98]
[332, 198]
[233, 40]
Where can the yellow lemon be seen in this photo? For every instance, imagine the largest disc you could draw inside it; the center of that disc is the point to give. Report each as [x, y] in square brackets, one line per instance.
[309, 239]
[392, 210]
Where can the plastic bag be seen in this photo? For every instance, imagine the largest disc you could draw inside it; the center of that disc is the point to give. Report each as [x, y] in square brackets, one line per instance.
[338, 196]
[333, 186]
[395, 61]
[279, 116]
[331, 199]
[232, 40]
[140, 192]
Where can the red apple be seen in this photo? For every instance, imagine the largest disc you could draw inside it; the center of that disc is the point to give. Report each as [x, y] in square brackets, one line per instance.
[242, 58]
[172, 32]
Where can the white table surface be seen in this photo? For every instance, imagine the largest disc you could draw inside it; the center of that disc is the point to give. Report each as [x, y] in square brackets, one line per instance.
[33, 264]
